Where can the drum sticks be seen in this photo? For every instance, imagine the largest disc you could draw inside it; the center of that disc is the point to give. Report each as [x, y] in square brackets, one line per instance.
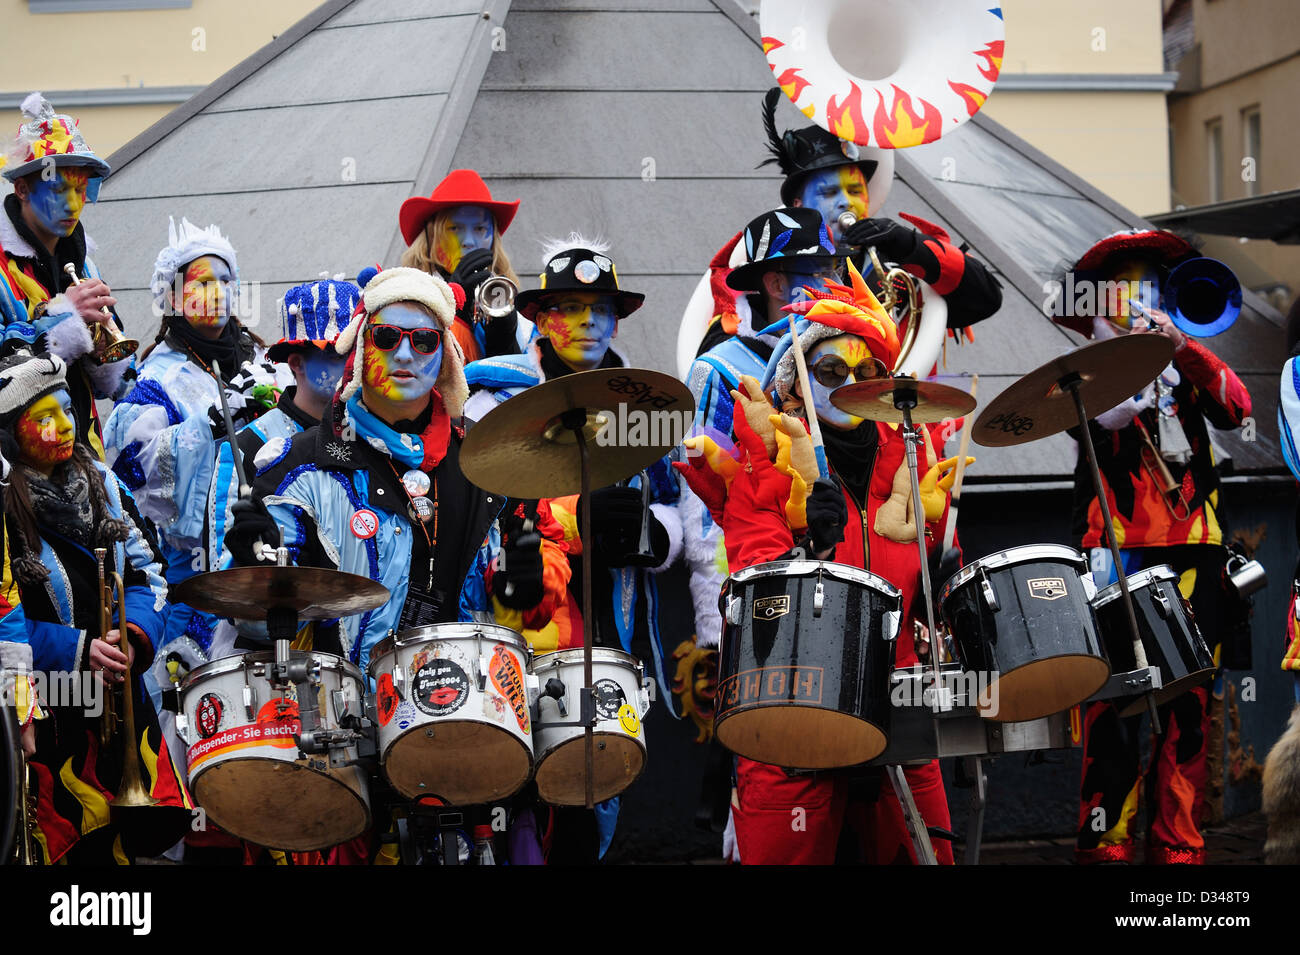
[950, 532]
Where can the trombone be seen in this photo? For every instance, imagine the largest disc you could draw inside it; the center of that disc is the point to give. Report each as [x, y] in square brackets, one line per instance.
[131, 793]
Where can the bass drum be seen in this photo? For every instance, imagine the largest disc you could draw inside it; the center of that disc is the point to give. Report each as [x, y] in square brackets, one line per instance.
[245, 768]
[803, 668]
[1020, 619]
[451, 701]
[1170, 637]
[622, 701]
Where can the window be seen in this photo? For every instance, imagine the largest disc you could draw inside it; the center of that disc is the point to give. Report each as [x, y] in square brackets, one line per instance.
[1250, 150]
[1214, 158]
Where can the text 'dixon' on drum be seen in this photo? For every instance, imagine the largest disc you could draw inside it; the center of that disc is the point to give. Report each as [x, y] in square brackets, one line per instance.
[619, 747]
[451, 702]
[245, 768]
[1021, 618]
[803, 671]
[1170, 637]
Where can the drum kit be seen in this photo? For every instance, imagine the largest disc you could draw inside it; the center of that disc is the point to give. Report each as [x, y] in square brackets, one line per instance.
[807, 675]
[284, 747]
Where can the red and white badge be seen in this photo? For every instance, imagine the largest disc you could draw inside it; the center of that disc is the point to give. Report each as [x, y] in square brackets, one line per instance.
[365, 523]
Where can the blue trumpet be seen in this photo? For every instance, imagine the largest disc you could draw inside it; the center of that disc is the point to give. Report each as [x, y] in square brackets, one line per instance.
[1203, 297]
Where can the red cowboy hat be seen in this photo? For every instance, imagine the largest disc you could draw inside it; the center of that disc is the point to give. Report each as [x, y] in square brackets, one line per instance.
[462, 187]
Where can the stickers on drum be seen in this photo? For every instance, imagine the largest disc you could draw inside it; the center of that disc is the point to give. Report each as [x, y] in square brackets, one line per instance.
[459, 731]
[1170, 638]
[244, 766]
[804, 665]
[619, 745]
[1020, 619]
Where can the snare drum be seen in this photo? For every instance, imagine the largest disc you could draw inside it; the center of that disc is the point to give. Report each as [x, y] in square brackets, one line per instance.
[622, 701]
[803, 669]
[1170, 637]
[1021, 617]
[451, 701]
[245, 768]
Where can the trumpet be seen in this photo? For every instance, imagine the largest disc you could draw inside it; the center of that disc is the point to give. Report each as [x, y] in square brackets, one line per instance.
[131, 793]
[494, 298]
[110, 344]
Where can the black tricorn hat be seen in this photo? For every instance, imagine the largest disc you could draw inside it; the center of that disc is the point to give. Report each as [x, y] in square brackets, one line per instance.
[578, 270]
[801, 151]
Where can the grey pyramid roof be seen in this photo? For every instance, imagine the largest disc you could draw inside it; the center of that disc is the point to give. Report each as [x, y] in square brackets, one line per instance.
[635, 118]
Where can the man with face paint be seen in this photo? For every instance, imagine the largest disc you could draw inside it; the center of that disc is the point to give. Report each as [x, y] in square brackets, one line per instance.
[54, 174]
[161, 438]
[61, 504]
[1165, 424]
[455, 233]
[577, 309]
[836, 176]
[855, 519]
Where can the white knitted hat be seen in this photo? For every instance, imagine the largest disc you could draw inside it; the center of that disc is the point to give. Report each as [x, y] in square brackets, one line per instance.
[184, 245]
[408, 285]
[25, 377]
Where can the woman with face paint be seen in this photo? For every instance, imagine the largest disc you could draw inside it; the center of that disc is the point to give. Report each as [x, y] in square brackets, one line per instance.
[455, 233]
[577, 310]
[61, 504]
[161, 439]
[40, 234]
[858, 519]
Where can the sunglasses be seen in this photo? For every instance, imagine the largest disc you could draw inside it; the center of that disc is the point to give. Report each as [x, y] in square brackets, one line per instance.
[833, 371]
[424, 341]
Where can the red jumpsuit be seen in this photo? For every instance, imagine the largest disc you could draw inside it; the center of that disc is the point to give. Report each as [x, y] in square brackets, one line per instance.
[770, 829]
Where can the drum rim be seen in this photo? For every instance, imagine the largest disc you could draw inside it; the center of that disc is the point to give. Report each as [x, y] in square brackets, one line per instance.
[1010, 557]
[234, 662]
[1136, 581]
[601, 654]
[408, 638]
[806, 568]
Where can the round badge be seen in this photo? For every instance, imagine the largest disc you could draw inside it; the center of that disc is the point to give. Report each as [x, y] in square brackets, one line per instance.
[850, 150]
[208, 714]
[416, 482]
[440, 687]
[609, 698]
[586, 271]
[627, 718]
[420, 509]
[365, 524]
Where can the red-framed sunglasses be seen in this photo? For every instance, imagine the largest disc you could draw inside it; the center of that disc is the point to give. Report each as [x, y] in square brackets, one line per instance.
[424, 341]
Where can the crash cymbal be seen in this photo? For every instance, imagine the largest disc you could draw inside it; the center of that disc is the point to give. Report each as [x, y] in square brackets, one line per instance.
[1036, 407]
[522, 449]
[874, 400]
[313, 593]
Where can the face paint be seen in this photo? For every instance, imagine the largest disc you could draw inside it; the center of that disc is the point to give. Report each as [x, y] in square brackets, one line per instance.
[832, 192]
[466, 228]
[321, 371]
[853, 351]
[57, 202]
[45, 432]
[808, 276]
[403, 374]
[1132, 278]
[207, 295]
[579, 326]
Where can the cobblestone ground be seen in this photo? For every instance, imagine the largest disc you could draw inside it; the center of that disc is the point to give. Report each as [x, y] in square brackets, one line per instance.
[1238, 841]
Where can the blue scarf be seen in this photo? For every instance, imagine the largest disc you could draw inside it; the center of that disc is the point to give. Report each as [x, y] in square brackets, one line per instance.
[413, 450]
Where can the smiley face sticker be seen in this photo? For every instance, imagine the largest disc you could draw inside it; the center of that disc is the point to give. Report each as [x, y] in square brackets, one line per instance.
[628, 719]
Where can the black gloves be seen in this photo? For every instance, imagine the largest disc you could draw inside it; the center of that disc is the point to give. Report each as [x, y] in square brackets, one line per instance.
[518, 581]
[827, 514]
[894, 242]
[250, 522]
[473, 269]
[616, 517]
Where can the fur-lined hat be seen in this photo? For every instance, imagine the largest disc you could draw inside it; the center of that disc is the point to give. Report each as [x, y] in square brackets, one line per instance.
[381, 288]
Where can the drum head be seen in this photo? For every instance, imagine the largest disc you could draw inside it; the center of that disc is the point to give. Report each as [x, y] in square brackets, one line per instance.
[616, 763]
[461, 761]
[281, 805]
[1044, 687]
[801, 736]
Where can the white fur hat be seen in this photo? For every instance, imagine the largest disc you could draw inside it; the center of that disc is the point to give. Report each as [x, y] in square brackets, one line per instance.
[184, 245]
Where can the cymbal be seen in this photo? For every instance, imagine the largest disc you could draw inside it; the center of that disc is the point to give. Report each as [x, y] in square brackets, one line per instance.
[313, 593]
[874, 399]
[1036, 407]
[522, 450]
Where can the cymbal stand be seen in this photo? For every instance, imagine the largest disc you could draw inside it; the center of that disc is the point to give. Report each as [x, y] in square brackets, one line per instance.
[1071, 383]
[576, 421]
